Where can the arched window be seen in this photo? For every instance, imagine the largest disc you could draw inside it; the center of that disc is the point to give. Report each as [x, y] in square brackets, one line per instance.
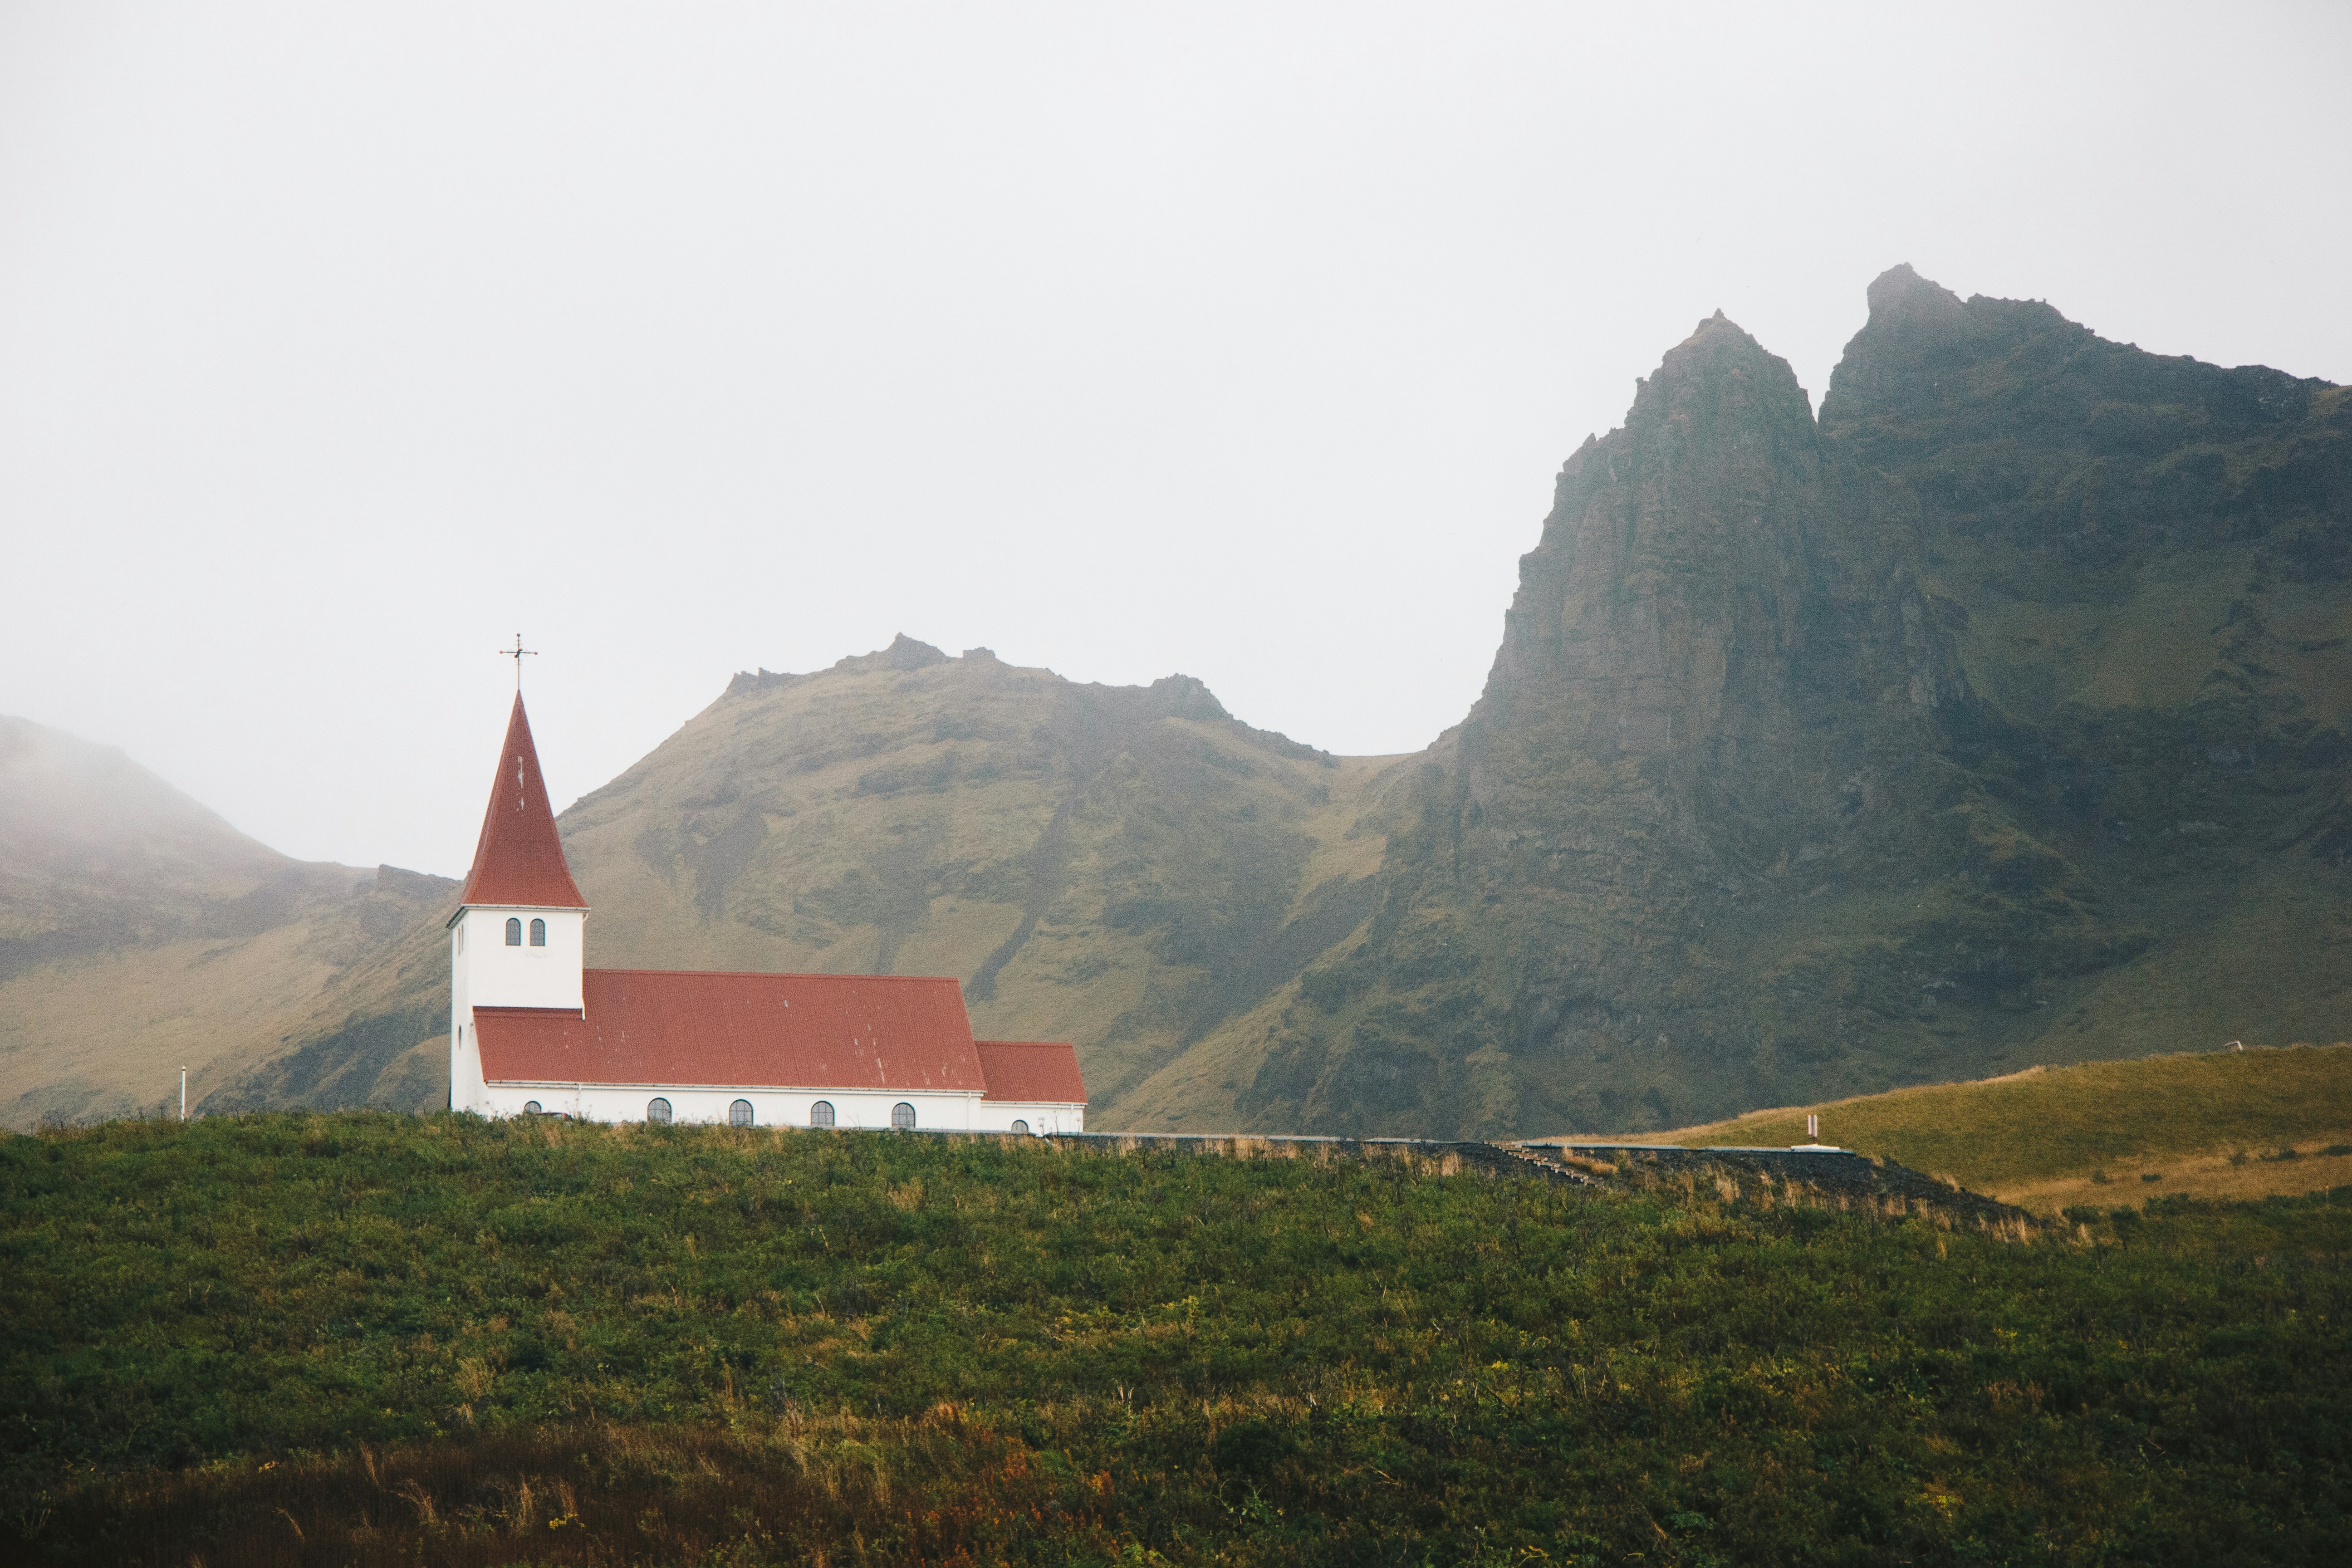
[902, 1117]
[530, 1108]
[1020, 1127]
[740, 1114]
[657, 1111]
[539, 933]
[821, 1113]
[514, 933]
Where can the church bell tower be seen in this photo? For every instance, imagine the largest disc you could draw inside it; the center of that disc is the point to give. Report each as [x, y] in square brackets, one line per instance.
[519, 936]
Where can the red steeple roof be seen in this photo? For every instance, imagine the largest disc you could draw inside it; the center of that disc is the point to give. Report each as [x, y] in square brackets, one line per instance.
[520, 860]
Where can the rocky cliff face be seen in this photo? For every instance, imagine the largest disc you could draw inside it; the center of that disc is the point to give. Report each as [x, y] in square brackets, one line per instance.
[1956, 732]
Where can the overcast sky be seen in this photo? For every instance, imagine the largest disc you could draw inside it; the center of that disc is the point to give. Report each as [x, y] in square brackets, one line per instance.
[340, 343]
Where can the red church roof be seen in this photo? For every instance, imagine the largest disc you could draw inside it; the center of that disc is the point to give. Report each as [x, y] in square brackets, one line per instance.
[770, 1031]
[520, 860]
[1032, 1071]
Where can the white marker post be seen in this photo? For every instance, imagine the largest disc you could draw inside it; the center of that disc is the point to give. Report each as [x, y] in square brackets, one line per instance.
[1812, 1129]
[183, 1094]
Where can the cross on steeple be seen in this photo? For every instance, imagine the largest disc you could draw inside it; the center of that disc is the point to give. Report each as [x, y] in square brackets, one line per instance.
[518, 653]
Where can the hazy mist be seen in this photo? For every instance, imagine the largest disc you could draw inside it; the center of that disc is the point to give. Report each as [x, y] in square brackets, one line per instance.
[338, 343]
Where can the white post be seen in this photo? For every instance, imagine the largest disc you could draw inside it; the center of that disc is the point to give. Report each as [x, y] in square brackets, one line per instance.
[183, 1094]
[1812, 1129]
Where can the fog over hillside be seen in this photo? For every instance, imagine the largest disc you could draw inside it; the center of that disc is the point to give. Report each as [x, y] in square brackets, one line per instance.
[339, 345]
[1997, 716]
[139, 934]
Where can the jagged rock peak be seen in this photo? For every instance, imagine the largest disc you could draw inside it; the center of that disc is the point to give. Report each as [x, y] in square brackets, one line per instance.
[906, 653]
[1186, 697]
[1719, 365]
[1900, 292]
[1719, 356]
[1916, 329]
[1716, 332]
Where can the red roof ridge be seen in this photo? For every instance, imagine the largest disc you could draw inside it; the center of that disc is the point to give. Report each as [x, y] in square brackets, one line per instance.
[519, 861]
[714, 1027]
[792, 974]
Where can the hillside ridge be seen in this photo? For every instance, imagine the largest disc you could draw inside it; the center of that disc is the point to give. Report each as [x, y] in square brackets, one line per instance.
[1999, 713]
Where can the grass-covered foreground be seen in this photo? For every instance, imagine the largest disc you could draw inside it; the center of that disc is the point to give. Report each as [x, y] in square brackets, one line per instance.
[363, 1339]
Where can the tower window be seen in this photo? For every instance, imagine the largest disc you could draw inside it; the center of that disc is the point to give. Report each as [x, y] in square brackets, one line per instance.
[539, 933]
[514, 933]
[657, 1111]
[902, 1117]
[740, 1114]
[821, 1114]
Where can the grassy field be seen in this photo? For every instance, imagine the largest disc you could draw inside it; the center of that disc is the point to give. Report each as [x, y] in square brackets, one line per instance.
[370, 1338]
[2223, 1125]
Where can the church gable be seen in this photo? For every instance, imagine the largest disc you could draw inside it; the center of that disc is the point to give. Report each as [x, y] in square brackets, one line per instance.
[1033, 1071]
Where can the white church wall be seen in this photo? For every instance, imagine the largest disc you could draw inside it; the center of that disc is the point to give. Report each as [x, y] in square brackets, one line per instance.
[486, 973]
[467, 1089]
[851, 1110]
[999, 1115]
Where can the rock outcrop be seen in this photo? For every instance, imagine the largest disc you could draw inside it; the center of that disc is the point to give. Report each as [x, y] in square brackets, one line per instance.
[1961, 730]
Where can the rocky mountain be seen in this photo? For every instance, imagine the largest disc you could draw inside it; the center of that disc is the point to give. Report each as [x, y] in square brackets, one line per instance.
[139, 933]
[1998, 715]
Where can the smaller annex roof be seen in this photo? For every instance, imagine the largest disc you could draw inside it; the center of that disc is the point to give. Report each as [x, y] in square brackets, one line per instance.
[767, 1031]
[1033, 1070]
[519, 861]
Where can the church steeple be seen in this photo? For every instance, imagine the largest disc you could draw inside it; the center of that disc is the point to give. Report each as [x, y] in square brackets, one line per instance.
[519, 862]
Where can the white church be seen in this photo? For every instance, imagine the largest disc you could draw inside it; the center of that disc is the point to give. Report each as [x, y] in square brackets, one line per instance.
[533, 1030]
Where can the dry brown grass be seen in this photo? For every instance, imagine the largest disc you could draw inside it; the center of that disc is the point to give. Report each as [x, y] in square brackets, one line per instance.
[807, 1489]
[2233, 1175]
[2036, 1138]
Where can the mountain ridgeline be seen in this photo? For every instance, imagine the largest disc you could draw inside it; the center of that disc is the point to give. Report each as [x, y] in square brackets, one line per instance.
[1997, 716]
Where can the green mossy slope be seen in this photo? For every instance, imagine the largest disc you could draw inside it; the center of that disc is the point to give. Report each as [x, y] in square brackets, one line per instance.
[1035, 1354]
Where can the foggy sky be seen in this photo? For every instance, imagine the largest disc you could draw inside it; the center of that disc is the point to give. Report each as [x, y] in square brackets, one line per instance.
[337, 343]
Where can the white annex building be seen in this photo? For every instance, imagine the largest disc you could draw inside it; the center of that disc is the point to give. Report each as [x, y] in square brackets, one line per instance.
[532, 1029]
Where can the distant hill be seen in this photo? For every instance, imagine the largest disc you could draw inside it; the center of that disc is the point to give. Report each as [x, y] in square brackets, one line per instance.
[2000, 715]
[139, 932]
[2216, 1126]
[1129, 867]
